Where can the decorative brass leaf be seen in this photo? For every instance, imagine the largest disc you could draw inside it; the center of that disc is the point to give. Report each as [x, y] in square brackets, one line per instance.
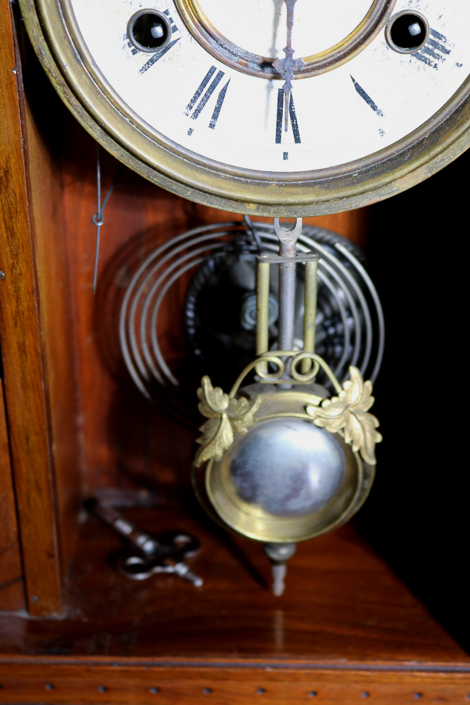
[349, 411]
[226, 417]
[213, 401]
[217, 436]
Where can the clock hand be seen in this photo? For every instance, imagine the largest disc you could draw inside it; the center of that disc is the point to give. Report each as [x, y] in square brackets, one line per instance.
[286, 67]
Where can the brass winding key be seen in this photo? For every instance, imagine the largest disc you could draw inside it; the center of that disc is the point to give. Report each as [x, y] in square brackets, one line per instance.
[163, 553]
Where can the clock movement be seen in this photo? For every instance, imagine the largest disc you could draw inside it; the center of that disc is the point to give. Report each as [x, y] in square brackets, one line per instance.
[237, 143]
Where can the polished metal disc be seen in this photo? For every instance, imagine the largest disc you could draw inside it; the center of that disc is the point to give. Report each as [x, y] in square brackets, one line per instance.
[287, 467]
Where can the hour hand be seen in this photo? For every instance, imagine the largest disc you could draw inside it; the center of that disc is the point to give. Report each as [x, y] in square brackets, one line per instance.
[287, 66]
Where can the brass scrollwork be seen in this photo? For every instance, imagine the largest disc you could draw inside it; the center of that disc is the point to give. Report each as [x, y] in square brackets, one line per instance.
[346, 413]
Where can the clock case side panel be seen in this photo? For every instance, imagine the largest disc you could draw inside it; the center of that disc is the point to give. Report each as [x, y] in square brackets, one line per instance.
[12, 595]
[43, 135]
[36, 342]
[435, 144]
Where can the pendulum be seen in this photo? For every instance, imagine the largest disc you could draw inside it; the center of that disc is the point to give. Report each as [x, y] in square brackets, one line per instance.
[281, 461]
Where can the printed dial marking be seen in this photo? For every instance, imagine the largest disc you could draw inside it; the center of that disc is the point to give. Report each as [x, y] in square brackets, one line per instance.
[156, 57]
[203, 94]
[280, 119]
[242, 132]
[174, 28]
[434, 50]
[366, 98]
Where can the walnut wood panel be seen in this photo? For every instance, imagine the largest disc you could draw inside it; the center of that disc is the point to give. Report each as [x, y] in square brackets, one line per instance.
[42, 139]
[12, 597]
[52, 682]
[21, 348]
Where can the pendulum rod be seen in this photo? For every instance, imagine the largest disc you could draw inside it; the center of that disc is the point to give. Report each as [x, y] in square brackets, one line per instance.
[279, 554]
[287, 250]
[286, 297]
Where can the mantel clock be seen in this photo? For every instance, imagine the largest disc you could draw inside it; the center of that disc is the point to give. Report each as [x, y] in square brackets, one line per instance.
[276, 108]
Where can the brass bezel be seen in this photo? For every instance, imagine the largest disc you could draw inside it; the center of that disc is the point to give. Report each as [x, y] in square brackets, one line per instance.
[402, 165]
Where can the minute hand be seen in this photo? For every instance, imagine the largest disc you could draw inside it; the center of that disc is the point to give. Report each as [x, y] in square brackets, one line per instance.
[288, 65]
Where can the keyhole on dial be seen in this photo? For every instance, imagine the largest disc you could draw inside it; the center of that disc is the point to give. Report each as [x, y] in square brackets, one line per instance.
[149, 30]
[407, 32]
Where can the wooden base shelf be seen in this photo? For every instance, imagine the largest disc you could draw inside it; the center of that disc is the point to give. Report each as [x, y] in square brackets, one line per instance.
[346, 629]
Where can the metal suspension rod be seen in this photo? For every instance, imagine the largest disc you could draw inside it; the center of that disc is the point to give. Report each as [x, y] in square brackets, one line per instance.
[262, 311]
[287, 249]
[310, 311]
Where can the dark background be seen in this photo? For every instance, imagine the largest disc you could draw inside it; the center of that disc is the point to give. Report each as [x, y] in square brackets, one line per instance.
[417, 514]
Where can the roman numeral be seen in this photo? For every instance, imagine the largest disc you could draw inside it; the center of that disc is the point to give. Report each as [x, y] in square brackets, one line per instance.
[434, 51]
[134, 51]
[280, 118]
[366, 97]
[204, 92]
[156, 57]
[174, 28]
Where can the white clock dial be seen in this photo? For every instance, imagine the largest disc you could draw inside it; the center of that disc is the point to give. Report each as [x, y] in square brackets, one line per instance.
[194, 94]
[185, 95]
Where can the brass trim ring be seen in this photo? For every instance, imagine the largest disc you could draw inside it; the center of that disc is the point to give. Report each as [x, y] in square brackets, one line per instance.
[227, 52]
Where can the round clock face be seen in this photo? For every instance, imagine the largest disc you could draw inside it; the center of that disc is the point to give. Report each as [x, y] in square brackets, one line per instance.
[200, 95]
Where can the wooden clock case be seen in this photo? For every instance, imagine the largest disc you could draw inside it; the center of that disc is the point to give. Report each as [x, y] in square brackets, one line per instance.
[377, 610]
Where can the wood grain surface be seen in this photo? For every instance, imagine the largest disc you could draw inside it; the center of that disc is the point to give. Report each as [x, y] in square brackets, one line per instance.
[33, 682]
[12, 597]
[21, 347]
[346, 627]
[42, 130]
[343, 605]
